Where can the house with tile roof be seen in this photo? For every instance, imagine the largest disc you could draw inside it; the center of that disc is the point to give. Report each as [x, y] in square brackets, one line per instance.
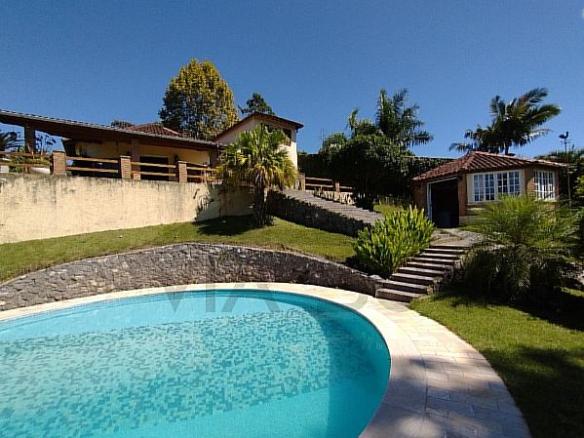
[152, 145]
[453, 192]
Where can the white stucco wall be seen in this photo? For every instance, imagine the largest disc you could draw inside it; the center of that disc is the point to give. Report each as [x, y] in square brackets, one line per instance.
[251, 123]
[39, 207]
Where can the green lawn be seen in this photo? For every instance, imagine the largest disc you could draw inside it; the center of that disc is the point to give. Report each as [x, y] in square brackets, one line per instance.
[22, 257]
[539, 355]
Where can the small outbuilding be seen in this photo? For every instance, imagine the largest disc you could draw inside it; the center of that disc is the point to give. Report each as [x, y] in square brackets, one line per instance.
[452, 192]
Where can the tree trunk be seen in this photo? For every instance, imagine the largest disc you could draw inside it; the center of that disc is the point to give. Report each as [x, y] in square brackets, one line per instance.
[260, 207]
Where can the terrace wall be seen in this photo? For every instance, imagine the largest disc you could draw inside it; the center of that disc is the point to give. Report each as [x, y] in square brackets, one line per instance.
[176, 265]
[43, 206]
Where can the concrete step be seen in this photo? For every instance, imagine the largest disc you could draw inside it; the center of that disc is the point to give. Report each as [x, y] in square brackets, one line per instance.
[436, 260]
[404, 277]
[428, 265]
[439, 255]
[407, 287]
[397, 295]
[420, 271]
[450, 246]
[454, 251]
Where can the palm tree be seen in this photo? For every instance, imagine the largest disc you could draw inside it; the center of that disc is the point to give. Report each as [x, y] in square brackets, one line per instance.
[256, 157]
[513, 124]
[9, 141]
[398, 122]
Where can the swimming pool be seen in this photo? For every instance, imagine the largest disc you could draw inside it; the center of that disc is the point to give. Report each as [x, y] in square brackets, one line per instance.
[209, 364]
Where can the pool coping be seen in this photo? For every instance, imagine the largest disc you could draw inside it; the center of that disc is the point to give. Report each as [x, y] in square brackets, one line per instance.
[439, 385]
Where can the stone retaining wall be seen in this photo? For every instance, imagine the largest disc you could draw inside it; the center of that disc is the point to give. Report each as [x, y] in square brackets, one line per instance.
[312, 215]
[179, 264]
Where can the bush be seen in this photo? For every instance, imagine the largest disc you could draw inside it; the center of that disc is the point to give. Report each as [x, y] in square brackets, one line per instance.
[527, 248]
[381, 249]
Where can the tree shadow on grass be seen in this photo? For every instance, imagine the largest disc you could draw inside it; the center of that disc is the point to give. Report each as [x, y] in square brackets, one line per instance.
[564, 309]
[547, 385]
[227, 226]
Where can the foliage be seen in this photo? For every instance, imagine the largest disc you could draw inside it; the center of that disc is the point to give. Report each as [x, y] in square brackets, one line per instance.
[198, 101]
[256, 157]
[374, 156]
[381, 249]
[527, 245]
[10, 141]
[574, 159]
[513, 124]
[122, 124]
[256, 104]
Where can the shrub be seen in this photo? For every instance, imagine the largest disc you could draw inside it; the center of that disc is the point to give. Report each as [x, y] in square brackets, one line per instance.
[381, 249]
[527, 246]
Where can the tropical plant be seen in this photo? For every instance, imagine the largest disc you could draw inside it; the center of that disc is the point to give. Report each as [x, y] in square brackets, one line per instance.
[198, 101]
[256, 104]
[574, 160]
[527, 244]
[374, 156]
[9, 141]
[385, 246]
[257, 158]
[513, 124]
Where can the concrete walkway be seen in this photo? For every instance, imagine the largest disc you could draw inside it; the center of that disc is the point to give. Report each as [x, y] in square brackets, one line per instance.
[439, 385]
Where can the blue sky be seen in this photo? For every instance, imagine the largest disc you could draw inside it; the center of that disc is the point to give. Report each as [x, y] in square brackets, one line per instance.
[314, 61]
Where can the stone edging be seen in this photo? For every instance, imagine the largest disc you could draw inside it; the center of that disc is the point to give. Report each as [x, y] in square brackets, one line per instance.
[439, 385]
[179, 264]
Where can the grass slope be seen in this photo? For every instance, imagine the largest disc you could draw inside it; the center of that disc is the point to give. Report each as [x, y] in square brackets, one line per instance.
[540, 358]
[19, 258]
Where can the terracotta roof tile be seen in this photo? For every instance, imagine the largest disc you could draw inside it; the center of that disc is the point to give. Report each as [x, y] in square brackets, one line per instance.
[155, 128]
[481, 162]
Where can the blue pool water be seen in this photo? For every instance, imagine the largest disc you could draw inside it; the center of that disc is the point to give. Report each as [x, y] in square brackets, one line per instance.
[200, 364]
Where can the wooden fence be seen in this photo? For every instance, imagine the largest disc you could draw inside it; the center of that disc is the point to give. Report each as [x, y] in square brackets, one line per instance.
[311, 183]
[58, 163]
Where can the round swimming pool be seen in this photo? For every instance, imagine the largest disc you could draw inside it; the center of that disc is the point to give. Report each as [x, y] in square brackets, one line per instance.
[193, 364]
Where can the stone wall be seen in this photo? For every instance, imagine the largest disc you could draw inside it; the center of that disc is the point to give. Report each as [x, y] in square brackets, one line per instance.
[43, 206]
[179, 264]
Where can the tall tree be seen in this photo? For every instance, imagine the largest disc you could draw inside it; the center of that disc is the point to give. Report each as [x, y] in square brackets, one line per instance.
[257, 158]
[198, 101]
[513, 124]
[375, 157]
[256, 104]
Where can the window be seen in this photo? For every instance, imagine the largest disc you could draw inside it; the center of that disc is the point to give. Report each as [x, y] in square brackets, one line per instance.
[508, 183]
[545, 187]
[484, 188]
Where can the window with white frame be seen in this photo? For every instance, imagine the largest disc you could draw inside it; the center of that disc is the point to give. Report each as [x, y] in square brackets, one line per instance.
[485, 189]
[545, 186]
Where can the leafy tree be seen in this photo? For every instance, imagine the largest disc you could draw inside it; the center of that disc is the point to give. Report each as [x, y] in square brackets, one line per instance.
[256, 104]
[513, 124]
[198, 101]
[257, 158]
[374, 157]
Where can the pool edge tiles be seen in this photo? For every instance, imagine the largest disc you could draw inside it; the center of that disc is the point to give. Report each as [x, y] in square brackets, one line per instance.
[105, 303]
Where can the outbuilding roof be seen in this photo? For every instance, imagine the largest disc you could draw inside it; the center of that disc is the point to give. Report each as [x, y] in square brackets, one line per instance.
[264, 117]
[477, 161]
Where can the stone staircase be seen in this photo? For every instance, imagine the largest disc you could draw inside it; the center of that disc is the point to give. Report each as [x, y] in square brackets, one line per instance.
[423, 273]
[420, 276]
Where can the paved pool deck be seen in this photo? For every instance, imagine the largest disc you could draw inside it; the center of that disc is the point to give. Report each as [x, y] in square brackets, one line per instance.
[439, 385]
